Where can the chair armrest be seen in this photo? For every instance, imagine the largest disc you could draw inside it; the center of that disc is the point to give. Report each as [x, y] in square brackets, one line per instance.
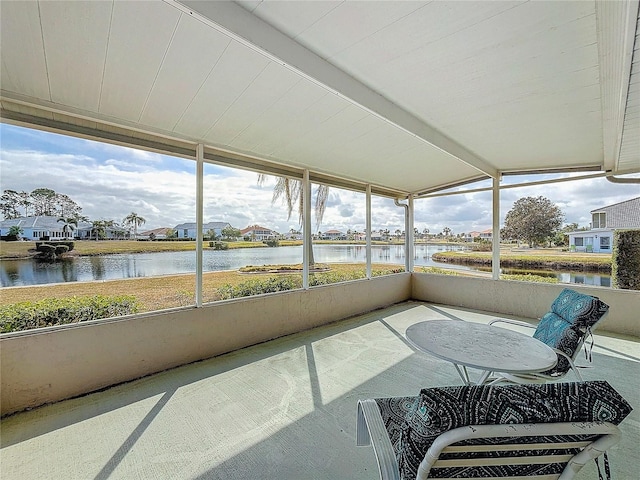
[370, 430]
[513, 322]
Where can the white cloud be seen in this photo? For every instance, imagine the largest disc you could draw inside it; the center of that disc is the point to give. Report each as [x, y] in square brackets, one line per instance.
[109, 182]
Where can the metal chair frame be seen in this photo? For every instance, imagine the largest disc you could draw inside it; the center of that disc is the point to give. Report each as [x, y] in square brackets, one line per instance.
[540, 377]
[371, 431]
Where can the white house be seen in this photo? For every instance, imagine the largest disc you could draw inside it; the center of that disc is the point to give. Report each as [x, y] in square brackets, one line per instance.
[256, 233]
[483, 235]
[45, 227]
[38, 228]
[334, 235]
[604, 221]
[188, 230]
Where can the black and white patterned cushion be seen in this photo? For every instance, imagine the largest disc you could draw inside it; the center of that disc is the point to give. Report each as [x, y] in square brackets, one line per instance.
[413, 423]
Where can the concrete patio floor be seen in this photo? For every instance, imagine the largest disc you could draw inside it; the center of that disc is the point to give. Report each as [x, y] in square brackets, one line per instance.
[285, 409]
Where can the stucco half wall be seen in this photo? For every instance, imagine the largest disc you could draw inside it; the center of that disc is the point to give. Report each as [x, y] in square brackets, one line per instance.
[524, 299]
[52, 364]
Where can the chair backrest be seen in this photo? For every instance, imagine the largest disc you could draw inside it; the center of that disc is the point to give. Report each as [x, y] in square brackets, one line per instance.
[572, 317]
[534, 451]
[462, 427]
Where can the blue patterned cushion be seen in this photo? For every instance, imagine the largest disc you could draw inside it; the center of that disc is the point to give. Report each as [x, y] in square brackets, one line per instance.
[559, 334]
[582, 311]
[438, 410]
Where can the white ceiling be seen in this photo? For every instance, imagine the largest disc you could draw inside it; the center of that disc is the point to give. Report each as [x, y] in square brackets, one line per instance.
[398, 94]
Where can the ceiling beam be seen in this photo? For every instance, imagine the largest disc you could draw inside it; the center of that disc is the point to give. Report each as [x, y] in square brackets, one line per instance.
[243, 26]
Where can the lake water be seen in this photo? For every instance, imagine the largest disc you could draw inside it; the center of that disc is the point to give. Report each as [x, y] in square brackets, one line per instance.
[113, 267]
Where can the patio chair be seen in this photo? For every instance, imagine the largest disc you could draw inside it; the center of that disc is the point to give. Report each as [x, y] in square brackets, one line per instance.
[571, 321]
[537, 431]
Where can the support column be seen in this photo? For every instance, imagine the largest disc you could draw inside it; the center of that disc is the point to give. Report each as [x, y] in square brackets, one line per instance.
[306, 228]
[199, 220]
[368, 227]
[409, 237]
[495, 262]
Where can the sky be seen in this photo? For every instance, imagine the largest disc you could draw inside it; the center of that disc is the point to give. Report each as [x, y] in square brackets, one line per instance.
[109, 182]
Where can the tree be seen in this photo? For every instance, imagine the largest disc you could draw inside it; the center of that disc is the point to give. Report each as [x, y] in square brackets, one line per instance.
[533, 219]
[171, 233]
[231, 233]
[290, 191]
[9, 203]
[66, 206]
[133, 219]
[446, 231]
[99, 229]
[44, 202]
[69, 225]
[15, 231]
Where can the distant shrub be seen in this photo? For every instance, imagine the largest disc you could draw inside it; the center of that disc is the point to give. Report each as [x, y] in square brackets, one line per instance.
[272, 243]
[257, 286]
[481, 245]
[439, 271]
[625, 265]
[60, 311]
[55, 244]
[527, 277]
[282, 283]
[219, 245]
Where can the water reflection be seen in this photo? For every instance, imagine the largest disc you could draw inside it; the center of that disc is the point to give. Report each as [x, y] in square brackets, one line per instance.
[595, 279]
[110, 267]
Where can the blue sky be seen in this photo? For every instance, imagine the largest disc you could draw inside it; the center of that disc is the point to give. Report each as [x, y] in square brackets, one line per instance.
[109, 182]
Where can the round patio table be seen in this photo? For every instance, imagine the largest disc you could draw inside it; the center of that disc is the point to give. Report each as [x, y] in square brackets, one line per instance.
[484, 347]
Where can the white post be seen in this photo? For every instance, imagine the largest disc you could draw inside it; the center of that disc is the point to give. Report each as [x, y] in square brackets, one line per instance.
[306, 228]
[368, 227]
[495, 263]
[409, 235]
[199, 220]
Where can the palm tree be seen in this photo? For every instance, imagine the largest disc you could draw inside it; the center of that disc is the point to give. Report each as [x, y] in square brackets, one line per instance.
[133, 219]
[70, 224]
[290, 191]
[98, 228]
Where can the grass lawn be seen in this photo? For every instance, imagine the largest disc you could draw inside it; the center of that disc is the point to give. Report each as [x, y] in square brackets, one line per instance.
[153, 293]
[551, 259]
[104, 247]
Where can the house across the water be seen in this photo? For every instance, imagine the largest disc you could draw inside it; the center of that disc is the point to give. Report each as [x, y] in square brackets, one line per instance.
[604, 221]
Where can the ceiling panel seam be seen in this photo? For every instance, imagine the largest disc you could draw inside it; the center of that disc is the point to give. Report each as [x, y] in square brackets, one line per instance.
[184, 112]
[106, 56]
[235, 100]
[164, 57]
[44, 51]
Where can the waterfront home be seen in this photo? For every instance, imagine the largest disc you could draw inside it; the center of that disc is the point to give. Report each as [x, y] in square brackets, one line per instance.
[393, 100]
[256, 233]
[39, 228]
[483, 235]
[188, 230]
[605, 221]
[44, 227]
[333, 235]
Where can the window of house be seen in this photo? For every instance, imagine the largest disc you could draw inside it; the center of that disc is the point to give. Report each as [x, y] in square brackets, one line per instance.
[599, 220]
[605, 243]
[579, 242]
